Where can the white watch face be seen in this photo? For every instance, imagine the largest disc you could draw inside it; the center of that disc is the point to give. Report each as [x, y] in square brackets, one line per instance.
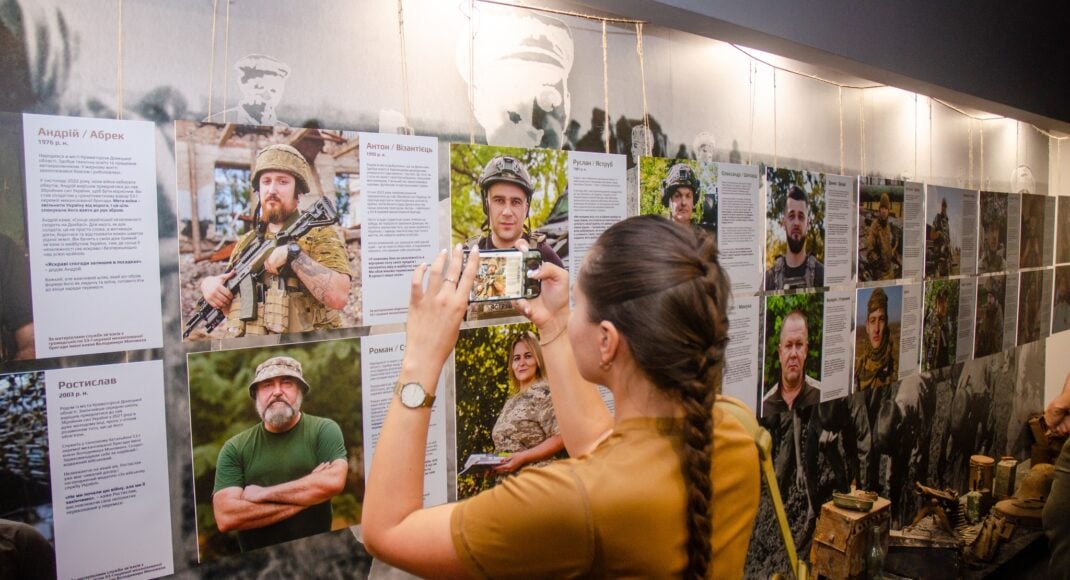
[412, 395]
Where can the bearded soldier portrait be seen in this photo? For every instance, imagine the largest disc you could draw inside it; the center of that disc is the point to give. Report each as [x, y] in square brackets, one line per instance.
[275, 480]
[796, 268]
[306, 283]
[875, 362]
[881, 245]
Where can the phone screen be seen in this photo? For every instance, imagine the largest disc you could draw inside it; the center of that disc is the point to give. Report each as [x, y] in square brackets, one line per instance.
[503, 275]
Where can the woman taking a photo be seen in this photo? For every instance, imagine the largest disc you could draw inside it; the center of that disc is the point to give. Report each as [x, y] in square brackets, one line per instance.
[526, 429]
[667, 487]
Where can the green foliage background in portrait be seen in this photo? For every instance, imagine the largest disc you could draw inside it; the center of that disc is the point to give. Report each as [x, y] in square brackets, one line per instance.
[547, 168]
[778, 181]
[482, 381]
[220, 407]
[652, 170]
[812, 305]
[951, 289]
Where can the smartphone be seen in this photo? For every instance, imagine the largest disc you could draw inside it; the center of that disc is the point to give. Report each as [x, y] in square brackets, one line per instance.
[505, 275]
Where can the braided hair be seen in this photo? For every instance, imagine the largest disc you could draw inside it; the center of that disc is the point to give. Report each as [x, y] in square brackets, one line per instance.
[662, 287]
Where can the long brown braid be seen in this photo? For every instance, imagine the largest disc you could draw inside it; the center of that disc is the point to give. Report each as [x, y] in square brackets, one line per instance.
[661, 286]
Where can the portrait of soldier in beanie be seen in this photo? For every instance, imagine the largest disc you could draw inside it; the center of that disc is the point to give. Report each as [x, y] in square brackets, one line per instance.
[877, 342]
[274, 481]
[880, 232]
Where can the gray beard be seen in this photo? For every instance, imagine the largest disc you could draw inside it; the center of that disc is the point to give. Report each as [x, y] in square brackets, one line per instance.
[278, 416]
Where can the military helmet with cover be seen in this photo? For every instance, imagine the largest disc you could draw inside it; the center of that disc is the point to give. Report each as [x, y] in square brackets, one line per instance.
[680, 175]
[281, 157]
[508, 169]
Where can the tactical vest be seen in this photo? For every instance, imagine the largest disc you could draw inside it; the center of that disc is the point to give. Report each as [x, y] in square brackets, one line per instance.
[282, 304]
[780, 265]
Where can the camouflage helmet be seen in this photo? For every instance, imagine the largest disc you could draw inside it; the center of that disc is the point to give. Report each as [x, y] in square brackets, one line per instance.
[508, 169]
[278, 366]
[877, 301]
[680, 175]
[280, 157]
[886, 202]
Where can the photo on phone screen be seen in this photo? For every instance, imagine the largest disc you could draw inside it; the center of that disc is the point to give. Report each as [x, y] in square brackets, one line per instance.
[503, 275]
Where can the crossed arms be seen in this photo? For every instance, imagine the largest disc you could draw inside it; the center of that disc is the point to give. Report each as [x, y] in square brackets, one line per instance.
[253, 506]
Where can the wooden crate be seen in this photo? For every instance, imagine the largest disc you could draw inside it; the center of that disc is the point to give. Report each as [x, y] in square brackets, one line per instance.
[841, 539]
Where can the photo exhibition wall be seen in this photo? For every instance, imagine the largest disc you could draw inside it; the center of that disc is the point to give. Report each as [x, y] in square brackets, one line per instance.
[904, 259]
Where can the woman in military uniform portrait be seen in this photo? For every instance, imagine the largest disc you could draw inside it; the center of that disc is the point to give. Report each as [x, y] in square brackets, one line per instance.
[526, 429]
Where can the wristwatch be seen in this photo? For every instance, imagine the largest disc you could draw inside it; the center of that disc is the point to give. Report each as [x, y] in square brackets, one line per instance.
[413, 395]
[292, 252]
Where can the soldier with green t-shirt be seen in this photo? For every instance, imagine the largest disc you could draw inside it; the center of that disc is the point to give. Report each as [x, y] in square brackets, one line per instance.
[275, 480]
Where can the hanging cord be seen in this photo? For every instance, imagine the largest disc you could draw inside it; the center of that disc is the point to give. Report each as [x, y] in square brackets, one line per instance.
[119, 71]
[226, 59]
[862, 132]
[750, 142]
[471, 72]
[565, 12]
[802, 74]
[930, 138]
[915, 172]
[649, 149]
[1017, 145]
[404, 63]
[776, 158]
[211, 59]
[605, 82]
[969, 126]
[839, 108]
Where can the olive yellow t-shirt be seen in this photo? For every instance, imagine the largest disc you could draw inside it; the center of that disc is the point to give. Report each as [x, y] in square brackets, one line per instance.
[616, 512]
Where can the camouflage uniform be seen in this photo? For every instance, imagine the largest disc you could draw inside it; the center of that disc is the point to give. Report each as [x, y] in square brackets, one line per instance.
[881, 255]
[876, 367]
[937, 340]
[992, 260]
[288, 306]
[527, 419]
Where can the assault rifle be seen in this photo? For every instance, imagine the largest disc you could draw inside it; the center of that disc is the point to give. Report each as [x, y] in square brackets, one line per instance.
[249, 266]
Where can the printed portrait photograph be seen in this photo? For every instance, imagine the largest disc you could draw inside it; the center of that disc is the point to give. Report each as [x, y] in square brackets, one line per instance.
[505, 417]
[941, 322]
[1060, 310]
[269, 229]
[943, 232]
[795, 229]
[25, 472]
[499, 195]
[682, 191]
[1032, 244]
[277, 444]
[791, 373]
[992, 234]
[1030, 293]
[880, 230]
[878, 322]
[1062, 231]
[991, 303]
[17, 342]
